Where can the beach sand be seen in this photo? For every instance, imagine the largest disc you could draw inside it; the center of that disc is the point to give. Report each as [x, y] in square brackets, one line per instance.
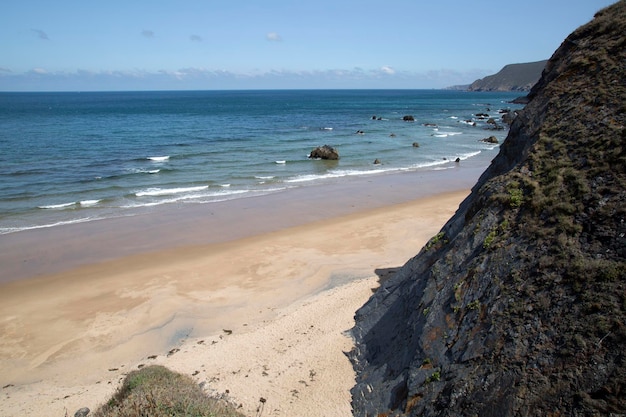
[258, 316]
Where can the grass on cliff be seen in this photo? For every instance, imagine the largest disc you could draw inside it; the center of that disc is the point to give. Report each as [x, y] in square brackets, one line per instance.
[156, 391]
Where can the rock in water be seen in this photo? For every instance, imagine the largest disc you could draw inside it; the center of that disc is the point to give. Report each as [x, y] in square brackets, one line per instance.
[518, 306]
[325, 152]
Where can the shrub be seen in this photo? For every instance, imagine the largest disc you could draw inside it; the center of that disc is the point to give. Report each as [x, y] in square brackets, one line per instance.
[158, 392]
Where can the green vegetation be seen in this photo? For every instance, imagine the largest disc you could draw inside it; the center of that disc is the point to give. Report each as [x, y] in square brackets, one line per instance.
[516, 195]
[489, 239]
[156, 391]
[436, 376]
[439, 238]
[474, 305]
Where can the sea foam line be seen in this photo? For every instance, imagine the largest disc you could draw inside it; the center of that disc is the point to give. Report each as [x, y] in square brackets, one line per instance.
[58, 206]
[7, 230]
[156, 192]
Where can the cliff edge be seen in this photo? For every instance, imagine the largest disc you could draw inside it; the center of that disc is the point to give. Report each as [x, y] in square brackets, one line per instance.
[512, 77]
[518, 306]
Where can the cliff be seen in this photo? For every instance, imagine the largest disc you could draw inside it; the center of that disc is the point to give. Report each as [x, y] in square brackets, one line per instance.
[518, 306]
[513, 77]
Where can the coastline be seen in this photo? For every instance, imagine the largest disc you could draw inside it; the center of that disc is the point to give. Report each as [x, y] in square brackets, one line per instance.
[46, 251]
[69, 336]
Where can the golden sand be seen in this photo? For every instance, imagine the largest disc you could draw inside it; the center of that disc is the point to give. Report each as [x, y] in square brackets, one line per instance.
[286, 300]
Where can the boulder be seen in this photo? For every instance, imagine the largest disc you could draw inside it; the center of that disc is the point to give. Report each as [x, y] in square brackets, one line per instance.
[408, 118]
[377, 161]
[324, 152]
[416, 145]
[490, 139]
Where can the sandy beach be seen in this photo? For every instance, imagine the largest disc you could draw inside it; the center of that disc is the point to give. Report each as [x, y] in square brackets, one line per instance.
[263, 312]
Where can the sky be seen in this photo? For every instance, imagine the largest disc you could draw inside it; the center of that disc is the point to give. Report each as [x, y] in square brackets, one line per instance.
[86, 45]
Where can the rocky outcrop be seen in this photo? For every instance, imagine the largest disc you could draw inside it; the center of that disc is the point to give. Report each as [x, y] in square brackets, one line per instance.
[490, 139]
[518, 306]
[513, 77]
[324, 152]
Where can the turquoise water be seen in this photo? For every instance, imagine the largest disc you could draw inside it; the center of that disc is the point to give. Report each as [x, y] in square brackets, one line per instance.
[75, 157]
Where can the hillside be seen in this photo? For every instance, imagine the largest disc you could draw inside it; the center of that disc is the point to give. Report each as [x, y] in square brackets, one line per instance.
[518, 306]
[513, 77]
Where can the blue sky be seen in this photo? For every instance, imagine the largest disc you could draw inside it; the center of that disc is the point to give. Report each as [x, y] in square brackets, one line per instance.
[85, 45]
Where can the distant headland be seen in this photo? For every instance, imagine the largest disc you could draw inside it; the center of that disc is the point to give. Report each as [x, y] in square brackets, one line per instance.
[512, 77]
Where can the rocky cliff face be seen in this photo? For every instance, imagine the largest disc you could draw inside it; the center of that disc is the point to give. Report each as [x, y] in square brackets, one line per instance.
[518, 306]
[513, 77]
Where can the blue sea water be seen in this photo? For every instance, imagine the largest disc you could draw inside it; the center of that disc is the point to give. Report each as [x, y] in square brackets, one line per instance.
[75, 157]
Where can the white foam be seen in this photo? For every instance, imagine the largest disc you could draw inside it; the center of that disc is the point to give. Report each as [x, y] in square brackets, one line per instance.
[469, 155]
[158, 158]
[7, 230]
[87, 203]
[281, 162]
[58, 206]
[209, 197]
[155, 192]
[336, 174]
[261, 177]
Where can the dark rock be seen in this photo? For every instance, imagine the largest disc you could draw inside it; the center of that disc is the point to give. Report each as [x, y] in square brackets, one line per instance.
[324, 152]
[376, 161]
[491, 121]
[521, 100]
[416, 145]
[490, 139]
[408, 118]
[508, 117]
[457, 160]
[83, 412]
[516, 308]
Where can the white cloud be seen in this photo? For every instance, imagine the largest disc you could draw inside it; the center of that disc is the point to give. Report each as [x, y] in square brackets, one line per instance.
[39, 71]
[273, 37]
[387, 70]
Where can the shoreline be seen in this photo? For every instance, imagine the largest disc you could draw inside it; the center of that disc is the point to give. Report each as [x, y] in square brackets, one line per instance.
[41, 252]
[69, 337]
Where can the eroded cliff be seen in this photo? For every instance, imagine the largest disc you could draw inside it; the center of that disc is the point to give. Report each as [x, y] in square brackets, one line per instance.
[518, 306]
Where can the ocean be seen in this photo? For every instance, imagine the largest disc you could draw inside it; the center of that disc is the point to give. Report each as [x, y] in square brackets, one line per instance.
[77, 157]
